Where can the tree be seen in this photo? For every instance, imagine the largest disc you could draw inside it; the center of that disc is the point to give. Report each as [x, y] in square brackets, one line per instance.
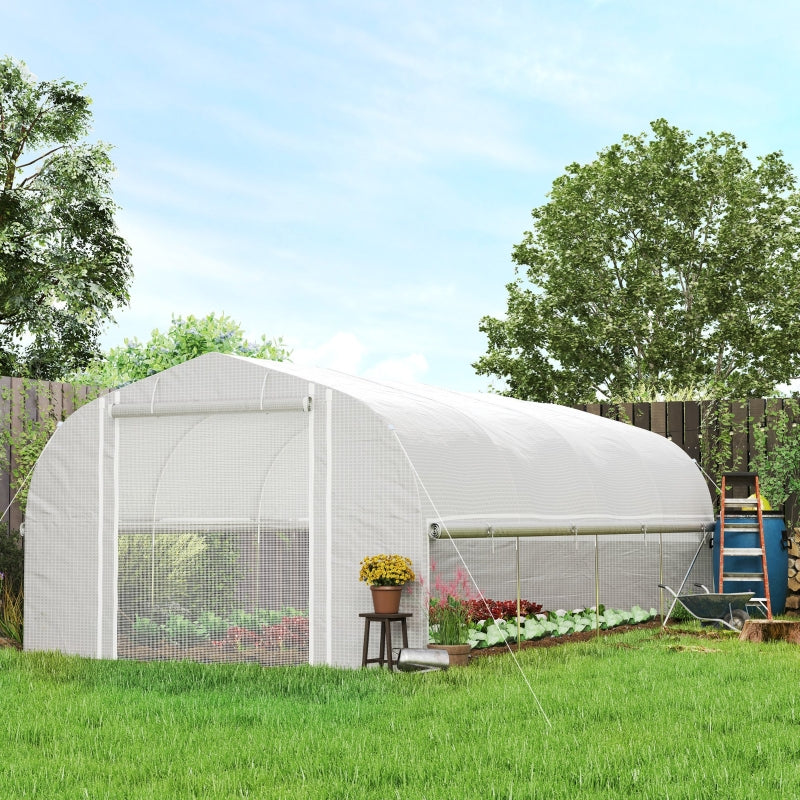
[185, 339]
[63, 266]
[666, 262]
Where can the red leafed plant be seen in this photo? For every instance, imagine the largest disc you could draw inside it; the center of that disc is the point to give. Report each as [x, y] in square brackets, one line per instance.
[501, 609]
[239, 637]
[291, 631]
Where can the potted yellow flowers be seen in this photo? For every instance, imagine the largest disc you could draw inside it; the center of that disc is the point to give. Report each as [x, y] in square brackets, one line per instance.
[386, 576]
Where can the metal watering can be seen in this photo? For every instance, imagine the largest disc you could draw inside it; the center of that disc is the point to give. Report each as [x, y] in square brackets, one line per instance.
[418, 660]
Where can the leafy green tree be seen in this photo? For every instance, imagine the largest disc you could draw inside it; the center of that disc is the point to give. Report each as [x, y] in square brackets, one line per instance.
[63, 265]
[668, 261]
[185, 339]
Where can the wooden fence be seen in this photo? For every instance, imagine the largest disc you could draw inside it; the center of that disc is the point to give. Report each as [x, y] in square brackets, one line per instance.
[682, 422]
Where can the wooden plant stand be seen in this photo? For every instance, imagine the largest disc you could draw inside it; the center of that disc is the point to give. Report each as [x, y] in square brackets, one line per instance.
[771, 630]
[386, 653]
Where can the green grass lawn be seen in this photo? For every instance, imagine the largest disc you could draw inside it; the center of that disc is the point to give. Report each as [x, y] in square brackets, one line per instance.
[640, 714]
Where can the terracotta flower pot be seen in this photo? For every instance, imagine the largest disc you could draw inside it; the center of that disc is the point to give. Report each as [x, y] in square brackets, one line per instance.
[386, 599]
[459, 653]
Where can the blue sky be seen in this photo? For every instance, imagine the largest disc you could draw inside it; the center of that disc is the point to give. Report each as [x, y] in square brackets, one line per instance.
[352, 176]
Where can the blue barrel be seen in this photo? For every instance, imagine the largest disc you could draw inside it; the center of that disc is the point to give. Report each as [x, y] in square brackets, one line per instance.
[776, 546]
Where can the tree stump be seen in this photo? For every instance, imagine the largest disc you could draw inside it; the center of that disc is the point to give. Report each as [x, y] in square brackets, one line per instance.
[770, 630]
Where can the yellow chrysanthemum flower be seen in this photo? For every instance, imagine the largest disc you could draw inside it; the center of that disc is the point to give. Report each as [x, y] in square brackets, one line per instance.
[383, 570]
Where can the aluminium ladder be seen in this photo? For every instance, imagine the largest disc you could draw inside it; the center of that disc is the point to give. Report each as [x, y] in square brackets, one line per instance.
[749, 519]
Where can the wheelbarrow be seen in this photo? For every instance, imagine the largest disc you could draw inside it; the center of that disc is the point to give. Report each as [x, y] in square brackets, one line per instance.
[720, 608]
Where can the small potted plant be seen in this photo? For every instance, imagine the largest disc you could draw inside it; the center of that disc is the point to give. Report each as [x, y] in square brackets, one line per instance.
[449, 615]
[386, 576]
[448, 620]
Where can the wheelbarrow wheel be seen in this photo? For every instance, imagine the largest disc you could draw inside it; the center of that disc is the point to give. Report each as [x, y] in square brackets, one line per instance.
[737, 618]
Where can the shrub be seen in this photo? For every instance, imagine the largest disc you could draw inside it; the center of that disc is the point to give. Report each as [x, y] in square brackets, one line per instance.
[178, 566]
[12, 559]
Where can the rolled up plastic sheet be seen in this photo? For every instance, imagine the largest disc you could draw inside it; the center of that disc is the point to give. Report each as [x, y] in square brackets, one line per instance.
[275, 405]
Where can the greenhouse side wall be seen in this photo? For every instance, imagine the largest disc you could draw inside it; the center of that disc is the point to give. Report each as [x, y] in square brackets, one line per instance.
[69, 559]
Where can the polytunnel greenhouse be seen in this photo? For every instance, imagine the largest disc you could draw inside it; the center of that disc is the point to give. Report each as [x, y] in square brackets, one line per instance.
[163, 519]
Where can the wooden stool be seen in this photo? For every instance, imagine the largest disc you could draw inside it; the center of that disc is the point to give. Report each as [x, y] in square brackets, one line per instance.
[385, 653]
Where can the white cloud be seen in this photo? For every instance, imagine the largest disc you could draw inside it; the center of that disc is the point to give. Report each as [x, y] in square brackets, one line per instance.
[343, 352]
[409, 369]
[788, 388]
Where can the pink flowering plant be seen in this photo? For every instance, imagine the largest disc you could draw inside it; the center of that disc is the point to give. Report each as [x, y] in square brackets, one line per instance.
[449, 608]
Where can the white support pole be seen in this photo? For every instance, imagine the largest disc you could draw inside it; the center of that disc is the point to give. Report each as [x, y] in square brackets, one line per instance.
[311, 530]
[597, 581]
[328, 524]
[101, 407]
[115, 540]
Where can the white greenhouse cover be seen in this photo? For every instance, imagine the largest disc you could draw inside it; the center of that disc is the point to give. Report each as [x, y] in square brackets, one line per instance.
[275, 480]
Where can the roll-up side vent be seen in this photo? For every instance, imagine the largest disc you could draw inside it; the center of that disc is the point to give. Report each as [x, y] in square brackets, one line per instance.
[272, 406]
